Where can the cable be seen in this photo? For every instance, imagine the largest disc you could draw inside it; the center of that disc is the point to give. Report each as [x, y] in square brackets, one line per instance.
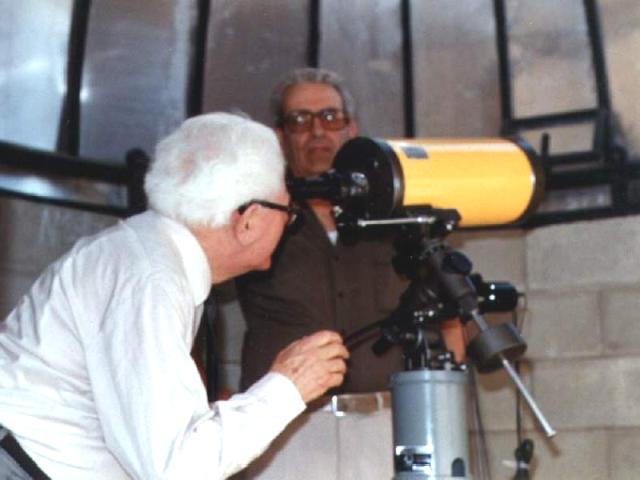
[480, 440]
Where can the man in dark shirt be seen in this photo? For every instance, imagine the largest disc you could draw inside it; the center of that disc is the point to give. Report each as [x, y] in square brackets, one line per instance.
[319, 279]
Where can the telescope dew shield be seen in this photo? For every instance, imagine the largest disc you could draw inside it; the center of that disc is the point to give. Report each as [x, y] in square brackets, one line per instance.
[489, 181]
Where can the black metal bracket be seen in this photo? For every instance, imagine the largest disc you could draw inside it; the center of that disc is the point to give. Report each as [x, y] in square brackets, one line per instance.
[606, 163]
[63, 166]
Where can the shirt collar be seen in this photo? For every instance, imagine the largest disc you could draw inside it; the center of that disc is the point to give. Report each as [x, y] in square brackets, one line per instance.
[194, 260]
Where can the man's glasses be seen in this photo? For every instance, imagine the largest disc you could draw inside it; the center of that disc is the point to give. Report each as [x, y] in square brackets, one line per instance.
[291, 210]
[301, 121]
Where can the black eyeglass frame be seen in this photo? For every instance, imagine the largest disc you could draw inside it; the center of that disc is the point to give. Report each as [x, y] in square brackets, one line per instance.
[292, 211]
[288, 123]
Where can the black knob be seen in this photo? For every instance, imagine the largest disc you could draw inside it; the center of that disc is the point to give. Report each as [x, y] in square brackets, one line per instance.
[456, 262]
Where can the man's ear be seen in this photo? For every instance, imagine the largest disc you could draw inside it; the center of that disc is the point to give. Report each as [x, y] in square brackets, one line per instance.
[245, 225]
[352, 128]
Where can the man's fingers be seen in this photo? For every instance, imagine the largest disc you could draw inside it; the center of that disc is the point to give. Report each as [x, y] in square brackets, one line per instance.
[321, 338]
[337, 366]
[324, 345]
[314, 363]
[334, 380]
[333, 350]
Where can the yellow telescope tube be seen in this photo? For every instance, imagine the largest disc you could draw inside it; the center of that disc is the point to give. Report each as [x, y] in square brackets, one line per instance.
[489, 181]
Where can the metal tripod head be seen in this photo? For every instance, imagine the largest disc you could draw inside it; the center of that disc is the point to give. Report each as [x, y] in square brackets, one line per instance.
[442, 286]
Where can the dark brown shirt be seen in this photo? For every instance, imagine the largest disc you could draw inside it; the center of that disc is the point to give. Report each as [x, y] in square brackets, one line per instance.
[315, 285]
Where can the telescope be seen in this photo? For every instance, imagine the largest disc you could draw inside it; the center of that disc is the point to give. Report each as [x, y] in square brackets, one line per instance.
[488, 181]
[427, 188]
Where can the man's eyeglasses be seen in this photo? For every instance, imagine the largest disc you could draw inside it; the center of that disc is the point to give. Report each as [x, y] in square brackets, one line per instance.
[301, 121]
[291, 210]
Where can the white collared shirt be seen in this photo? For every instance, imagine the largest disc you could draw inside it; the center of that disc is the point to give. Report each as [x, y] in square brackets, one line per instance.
[96, 378]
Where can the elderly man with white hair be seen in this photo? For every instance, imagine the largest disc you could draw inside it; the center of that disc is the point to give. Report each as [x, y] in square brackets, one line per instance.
[96, 379]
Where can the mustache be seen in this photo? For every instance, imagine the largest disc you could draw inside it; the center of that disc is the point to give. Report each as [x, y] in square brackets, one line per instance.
[320, 143]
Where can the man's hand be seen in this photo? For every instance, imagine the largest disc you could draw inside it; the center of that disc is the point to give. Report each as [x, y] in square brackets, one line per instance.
[314, 364]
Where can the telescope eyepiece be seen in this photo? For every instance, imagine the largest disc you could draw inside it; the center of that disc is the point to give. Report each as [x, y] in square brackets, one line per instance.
[332, 186]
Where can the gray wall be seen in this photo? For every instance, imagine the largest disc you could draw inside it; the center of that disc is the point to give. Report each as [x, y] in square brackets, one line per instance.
[581, 320]
[581, 280]
[582, 283]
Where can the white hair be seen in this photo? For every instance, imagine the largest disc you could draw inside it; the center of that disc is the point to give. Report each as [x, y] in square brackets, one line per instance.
[211, 165]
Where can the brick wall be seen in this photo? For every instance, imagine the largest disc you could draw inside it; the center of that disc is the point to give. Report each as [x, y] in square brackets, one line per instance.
[582, 283]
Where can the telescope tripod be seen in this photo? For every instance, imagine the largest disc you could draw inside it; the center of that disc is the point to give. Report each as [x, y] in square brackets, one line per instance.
[430, 431]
